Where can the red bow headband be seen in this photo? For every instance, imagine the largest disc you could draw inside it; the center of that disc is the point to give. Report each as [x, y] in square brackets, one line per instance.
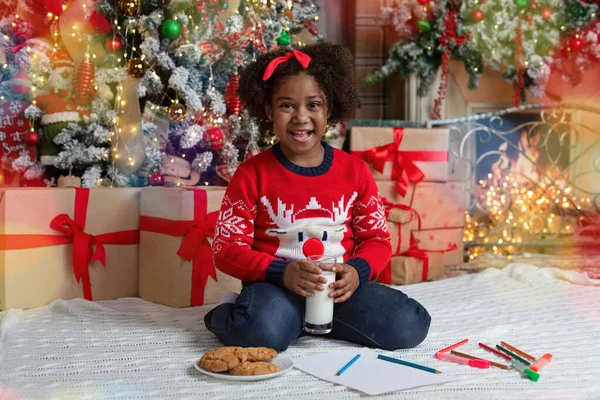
[303, 59]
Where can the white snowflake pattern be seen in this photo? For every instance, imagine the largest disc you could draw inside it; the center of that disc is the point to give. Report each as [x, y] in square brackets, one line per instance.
[229, 224]
[374, 219]
[14, 107]
[2, 135]
[20, 123]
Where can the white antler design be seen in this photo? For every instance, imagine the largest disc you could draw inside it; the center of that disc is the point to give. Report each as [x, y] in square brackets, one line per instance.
[340, 213]
[284, 217]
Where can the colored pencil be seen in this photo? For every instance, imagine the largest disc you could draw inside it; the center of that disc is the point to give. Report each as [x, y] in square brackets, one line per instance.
[493, 364]
[496, 352]
[408, 364]
[513, 355]
[519, 352]
[345, 367]
[455, 345]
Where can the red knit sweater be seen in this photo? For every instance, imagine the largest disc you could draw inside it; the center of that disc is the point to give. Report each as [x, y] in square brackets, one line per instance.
[275, 212]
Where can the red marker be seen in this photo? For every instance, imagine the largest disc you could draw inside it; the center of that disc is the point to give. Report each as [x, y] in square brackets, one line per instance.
[496, 352]
[543, 360]
[461, 360]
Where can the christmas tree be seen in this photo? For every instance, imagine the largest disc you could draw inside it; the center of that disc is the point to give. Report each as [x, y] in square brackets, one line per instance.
[526, 40]
[137, 92]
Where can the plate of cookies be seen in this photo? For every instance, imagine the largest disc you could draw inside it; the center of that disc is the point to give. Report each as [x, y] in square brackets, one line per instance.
[243, 363]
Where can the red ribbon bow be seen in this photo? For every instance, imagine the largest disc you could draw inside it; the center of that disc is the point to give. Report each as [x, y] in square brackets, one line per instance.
[303, 59]
[73, 231]
[388, 205]
[82, 253]
[404, 169]
[413, 251]
[195, 246]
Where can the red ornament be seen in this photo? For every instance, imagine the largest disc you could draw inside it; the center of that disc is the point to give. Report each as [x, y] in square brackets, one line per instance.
[310, 26]
[156, 179]
[54, 6]
[83, 85]
[533, 6]
[546, 13]
[477, 15]
[22, 28]
[113, 45]
[530, 20]
[576, 43]
[214, 138]
[99, 23]
[32, 138]
[232, 100]
[423, 2]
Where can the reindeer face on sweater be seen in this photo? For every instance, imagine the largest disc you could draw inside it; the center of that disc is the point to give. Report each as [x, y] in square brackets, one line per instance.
[313, 230]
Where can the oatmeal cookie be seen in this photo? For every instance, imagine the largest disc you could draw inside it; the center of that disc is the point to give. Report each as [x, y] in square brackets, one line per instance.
[249, 368]
[223, 359]
[260, 353]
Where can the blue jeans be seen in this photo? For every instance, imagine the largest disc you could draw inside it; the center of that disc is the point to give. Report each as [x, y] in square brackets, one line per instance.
[268, 315]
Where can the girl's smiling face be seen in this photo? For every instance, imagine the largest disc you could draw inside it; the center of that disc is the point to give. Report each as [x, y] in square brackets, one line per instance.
[299, 112]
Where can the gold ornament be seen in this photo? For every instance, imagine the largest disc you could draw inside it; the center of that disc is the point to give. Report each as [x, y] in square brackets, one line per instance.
[129, 7]
[177, 112]
[136, 67]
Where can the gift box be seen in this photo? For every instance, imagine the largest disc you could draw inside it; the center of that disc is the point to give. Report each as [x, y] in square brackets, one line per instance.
[176, 264]
[64, 243]
[448, 241]
[405, 270]
[439, 210]
[438, 204]
[403, 155]
[399, 219]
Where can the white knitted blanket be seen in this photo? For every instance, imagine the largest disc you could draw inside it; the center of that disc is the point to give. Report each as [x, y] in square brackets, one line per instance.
[131, 349]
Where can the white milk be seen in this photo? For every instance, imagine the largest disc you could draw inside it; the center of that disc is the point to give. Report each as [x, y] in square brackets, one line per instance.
[319, 308]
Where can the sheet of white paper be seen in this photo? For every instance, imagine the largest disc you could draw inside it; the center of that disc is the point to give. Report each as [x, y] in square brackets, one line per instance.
[368, 374]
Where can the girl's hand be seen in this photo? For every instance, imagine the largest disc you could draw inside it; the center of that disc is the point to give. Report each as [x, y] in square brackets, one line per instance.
[344, 287]
[303, 277]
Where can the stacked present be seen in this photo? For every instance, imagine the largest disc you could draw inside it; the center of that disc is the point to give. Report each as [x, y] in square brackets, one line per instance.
[411, 169]
[64, 243]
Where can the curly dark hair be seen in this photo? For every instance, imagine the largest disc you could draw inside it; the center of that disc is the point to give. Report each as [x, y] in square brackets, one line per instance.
[331, 66]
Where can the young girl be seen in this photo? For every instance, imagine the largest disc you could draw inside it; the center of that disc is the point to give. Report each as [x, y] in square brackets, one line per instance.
[301, 198]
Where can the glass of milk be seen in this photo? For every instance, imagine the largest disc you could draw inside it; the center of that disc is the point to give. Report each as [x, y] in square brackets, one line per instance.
[318, 318]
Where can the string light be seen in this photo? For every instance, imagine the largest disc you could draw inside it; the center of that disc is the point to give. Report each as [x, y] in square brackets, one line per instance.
[517, 214]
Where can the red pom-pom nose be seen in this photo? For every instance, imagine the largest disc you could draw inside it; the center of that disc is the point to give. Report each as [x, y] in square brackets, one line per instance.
[313, 248]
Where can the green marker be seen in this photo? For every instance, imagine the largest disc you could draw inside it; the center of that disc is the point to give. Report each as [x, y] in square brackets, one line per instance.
[534, 376]
[513, 355]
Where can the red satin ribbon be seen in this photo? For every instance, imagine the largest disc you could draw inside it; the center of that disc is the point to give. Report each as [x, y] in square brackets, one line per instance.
[303, 59]
[73, 231]
[195, 246]
[404, 169]
[388, 205]
[416, 252]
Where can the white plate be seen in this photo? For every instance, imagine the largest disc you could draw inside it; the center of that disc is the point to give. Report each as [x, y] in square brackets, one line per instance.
[285, 364]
